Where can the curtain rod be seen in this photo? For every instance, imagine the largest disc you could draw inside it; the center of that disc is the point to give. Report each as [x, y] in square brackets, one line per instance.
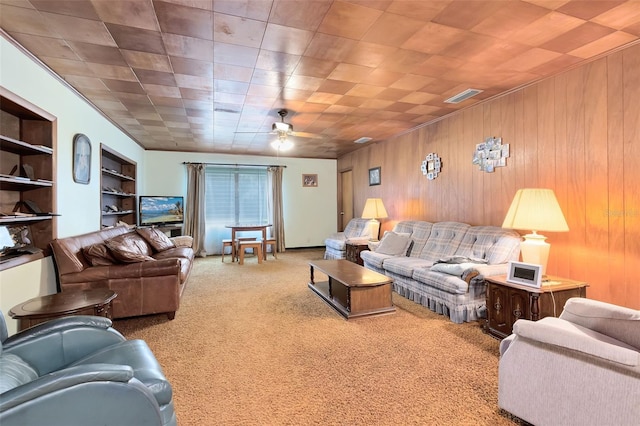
[235, 165]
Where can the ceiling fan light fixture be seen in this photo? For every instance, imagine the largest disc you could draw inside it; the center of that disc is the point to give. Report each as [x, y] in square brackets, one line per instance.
[282, 144]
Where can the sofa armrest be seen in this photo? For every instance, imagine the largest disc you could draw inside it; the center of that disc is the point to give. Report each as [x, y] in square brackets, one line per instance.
[103, 393]
[564, 334]
[59, 325]
[358, 240]
[49, 349]
[616, 321]
[63, 379]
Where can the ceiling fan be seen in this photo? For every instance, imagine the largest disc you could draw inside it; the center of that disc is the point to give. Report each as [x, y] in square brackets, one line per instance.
[283, 130]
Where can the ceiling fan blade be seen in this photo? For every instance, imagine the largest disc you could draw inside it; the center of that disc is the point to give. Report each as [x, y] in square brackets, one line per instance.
[307, 135]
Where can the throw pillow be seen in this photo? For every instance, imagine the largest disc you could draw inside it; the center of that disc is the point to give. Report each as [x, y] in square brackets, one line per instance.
[129, 248]
[158, 239]
[98, 255]
[394, 244]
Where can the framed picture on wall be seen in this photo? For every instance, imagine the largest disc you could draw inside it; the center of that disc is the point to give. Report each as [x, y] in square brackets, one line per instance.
[81, 159]
[374, 176]
[309, 181]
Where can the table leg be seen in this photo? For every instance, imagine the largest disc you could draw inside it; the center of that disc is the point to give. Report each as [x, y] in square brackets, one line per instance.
[264, 243]
[233, 245]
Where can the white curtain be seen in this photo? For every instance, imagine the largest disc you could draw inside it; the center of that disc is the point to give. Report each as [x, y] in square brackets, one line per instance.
[194, 223]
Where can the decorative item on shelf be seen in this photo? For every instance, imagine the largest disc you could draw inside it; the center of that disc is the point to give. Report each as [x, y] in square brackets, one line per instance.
[374, 209]
[490, 154]
[81, 159]
[374, 176]
[431, 166]
[535, 209]
[309, 181]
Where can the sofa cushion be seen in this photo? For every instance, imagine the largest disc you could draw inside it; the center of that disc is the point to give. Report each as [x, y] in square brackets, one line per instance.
[357, 228]
[374, 259]
[444, 240]
[404, 266]
[15, 372]
[156, 238]
[495, 244]
[438, 280]
[419, 235]
[129, 248]
[98, 255]
[394, 243]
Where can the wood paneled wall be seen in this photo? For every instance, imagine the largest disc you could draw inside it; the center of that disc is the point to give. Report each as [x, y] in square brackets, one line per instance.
[577, 133]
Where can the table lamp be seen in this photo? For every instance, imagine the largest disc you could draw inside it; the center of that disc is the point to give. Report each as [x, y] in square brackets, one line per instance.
[536, 210]
[374, 209]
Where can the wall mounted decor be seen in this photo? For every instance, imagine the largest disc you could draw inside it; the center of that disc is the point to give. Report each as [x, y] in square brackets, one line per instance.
[81, 159]
[309, 180]
[374, 176]
[431, 166]
[491, 154]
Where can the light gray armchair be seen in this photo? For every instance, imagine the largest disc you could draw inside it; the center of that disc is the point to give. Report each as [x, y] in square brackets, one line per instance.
[582, 368]
[358, 231]
[78, 371]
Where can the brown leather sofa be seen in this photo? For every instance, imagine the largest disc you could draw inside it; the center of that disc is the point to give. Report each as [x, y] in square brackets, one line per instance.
[147, 269]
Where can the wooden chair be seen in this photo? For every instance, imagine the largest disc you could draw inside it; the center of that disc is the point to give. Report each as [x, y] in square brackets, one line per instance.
[271, 242]
[255, 245]
[225, 244]
[238, 239]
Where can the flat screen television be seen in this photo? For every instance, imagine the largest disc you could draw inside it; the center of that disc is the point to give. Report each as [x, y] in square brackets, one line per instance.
[161, 210]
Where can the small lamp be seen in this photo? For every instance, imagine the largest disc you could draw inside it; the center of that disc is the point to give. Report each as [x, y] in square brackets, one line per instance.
[374, 209]
[536, 210]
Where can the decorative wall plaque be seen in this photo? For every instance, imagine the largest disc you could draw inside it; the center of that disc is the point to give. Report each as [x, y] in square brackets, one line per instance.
[491, 154]
[431, 166]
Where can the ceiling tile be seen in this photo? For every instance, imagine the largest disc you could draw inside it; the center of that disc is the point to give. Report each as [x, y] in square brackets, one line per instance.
[189, 74]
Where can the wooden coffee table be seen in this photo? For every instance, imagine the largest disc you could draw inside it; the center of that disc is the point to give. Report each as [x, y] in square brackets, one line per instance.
[83, 302]
[352, 290]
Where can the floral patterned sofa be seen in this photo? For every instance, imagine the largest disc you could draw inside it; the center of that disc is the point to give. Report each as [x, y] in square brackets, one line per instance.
[442, 265]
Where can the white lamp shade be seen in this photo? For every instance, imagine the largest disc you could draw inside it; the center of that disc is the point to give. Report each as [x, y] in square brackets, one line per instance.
[537, 210]
[374, 209]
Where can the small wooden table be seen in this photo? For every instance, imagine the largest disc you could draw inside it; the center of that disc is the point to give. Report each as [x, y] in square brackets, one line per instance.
[83, 302]
[508, 302]
[248, 227]
[354, 250]
[352, 290]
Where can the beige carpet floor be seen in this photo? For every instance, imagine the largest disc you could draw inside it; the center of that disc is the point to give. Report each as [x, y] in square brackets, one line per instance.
[252, 345]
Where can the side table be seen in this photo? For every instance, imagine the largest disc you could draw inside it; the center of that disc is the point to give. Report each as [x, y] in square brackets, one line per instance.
[353, 252]
[507, 302]
[83, 302]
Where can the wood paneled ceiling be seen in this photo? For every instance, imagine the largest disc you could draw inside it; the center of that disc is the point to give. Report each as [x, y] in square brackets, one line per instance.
[211, 75]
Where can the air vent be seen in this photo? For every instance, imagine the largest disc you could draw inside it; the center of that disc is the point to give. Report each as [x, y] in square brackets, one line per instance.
[462, 96]
[362, 140]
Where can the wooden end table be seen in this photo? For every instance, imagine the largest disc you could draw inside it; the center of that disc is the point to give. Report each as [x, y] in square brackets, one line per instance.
[508, 302]
[353, 252]
[44, 308]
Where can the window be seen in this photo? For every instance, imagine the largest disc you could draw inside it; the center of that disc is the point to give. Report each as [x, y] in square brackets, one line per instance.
[233, 195]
